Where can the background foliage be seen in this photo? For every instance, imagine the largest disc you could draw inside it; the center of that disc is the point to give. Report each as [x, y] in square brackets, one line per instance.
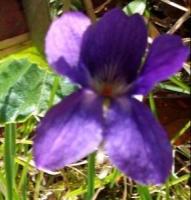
[28, 88]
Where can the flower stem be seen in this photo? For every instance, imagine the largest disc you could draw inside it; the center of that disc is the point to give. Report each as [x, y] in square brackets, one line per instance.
[9, 156]
[91, 176]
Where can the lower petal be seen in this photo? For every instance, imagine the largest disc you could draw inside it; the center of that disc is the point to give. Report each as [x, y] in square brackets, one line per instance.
[136, 143]
[69, 131]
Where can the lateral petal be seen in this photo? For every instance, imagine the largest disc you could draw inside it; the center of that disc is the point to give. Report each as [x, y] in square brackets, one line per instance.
[69, 131]
[165, 58]
[63, 43]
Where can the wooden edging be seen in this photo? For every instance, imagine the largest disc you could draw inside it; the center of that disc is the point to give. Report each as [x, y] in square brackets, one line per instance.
[14, 44]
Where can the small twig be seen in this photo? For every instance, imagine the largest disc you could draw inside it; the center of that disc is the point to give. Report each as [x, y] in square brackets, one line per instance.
[66, 6]
[175, 5]
[97, 193]
[125, 188]
[78, 170]
[187, 68]
[102, 6]
[84, 162]
[90, 10]
[186, 40]
[179, 22]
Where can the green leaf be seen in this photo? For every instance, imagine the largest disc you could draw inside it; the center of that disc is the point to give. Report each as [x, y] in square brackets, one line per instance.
[25, 90]
[137, 6]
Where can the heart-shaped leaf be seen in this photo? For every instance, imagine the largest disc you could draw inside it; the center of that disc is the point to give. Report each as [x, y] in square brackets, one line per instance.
[26, 90]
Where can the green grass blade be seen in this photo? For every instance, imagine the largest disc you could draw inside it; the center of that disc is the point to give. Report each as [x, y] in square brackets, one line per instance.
[144, 192]
[23, 180]
[152, 104]
[173, 88]
[179, 83]
[53, 91]
[115, 175]
[38, 185]
[167, 191]
[181, 132]
[3, 190]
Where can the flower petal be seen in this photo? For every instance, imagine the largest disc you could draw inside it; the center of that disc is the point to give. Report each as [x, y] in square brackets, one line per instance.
[115, 45]
[70, 131]
[136, 143]
[63, 42]
[165, 58]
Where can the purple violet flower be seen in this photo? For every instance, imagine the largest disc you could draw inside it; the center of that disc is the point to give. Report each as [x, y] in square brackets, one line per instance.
[105, 60]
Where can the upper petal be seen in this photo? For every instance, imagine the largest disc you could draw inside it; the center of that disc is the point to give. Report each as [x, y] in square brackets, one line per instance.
[166, 57]
[136, 143]
[113, 47]
[69, 131]
[63, 42]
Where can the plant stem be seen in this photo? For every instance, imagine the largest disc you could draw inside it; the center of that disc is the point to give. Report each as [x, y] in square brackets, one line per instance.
[9, 155]
[91, 176]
